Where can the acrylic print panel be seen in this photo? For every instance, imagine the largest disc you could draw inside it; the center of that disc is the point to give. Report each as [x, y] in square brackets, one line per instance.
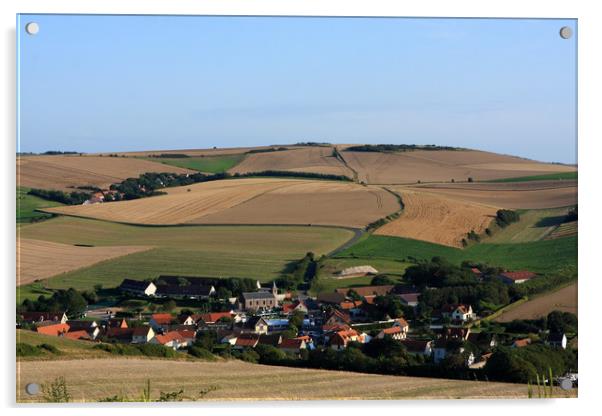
[238, 208]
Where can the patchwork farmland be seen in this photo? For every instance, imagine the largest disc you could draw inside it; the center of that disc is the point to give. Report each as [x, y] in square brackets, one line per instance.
[250, 201]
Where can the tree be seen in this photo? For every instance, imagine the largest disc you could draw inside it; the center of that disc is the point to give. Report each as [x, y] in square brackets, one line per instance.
[504, 365]
[169, 306]
[297, 319]
[382, 280]
[269, 354]
[561, 322]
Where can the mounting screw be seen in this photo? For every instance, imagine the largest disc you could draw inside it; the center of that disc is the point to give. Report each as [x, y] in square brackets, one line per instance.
[32, 389]
[566, 32]
[32, 28]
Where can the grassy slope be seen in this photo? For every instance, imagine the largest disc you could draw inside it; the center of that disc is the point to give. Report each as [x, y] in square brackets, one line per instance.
[27, 204]
[261, 252]
[534, 225]
[209, 164]
[548, 256]
[550, 176]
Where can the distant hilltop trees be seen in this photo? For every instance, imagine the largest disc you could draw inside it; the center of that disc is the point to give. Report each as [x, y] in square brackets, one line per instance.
[59, 152]
[397, 147]
[312, 144]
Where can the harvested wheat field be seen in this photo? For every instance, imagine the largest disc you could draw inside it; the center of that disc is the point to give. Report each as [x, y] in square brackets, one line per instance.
[564, 300]
[94, 379]
[67, 172]
[527, 195]
[38, 259]
[306, 159]
[198, 152]
[250, 201]
[442, 166]
[437, 219]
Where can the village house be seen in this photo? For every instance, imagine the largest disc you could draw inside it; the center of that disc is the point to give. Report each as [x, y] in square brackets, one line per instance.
[174, 339]
[161, 321]
[409, 299]
[293, 345]
[54, 328]
[455, 333]
[254, 301]
[90, 327]
[119, 334]
[516, 277]
[331, 298]
[37, 317]
[336, 317]
[296, 306]
[398, 331]
[255, 325]
[557, 340]
[413, 346]
[458, 312]
[116, 323]
[368, 292]
[443, 347]
[276, 325]
[485, 341]
[138, 287]
[142, 335]
[340, 339]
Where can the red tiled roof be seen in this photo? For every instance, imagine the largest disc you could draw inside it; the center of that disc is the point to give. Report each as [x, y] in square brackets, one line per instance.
[162, 318]
[452, 308]
[348, 304]
[213, 317]
[521, 275]
[178, 336]
[392, 330]
[402, 322]
[293, 343]
[335, 327]
[77, 335]
[409, 297]
[54, 329]
[247, 341]
[475, 270]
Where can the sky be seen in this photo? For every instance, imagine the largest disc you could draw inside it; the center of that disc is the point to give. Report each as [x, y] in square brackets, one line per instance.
[119, 83]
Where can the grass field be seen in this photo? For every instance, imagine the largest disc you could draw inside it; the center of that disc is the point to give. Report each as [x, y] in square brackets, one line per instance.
[534, 225]
[94, 379]
[547, 256]
[564, 230]
[27, 204]
[550, 176]
[260, 252]
[208, 164]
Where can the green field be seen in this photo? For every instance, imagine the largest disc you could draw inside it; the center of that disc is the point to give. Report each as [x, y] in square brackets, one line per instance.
[27, 204]
[546, 177]
[260, 252]
[548, 256]
[208, 164]
[534, 225]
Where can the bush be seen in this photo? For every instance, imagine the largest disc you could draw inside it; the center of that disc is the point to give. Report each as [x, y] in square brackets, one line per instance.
[202, 353]
[27, 350]
[49, 348]
[505, 217]
[155, 350]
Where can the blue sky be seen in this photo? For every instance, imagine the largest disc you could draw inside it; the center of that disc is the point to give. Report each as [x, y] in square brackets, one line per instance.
[110, 83]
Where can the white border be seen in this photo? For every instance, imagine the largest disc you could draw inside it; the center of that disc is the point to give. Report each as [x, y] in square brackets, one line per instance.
[590, 68]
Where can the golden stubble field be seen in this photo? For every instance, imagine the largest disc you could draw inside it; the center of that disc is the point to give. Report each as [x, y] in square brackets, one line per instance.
[67, 172]
[250, 201]
[38, 259]
[306, 159]
[442, 166]
[564, 300]
[526, 195]
[437, 219]
[93, 379]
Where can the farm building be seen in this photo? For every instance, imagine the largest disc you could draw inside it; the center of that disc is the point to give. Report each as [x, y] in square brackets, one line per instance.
[458, 312]
[357, 271]
[138, 287]
[142, 335]
[414, 346]
[52, 328]
[185, 291]
[516, 277]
